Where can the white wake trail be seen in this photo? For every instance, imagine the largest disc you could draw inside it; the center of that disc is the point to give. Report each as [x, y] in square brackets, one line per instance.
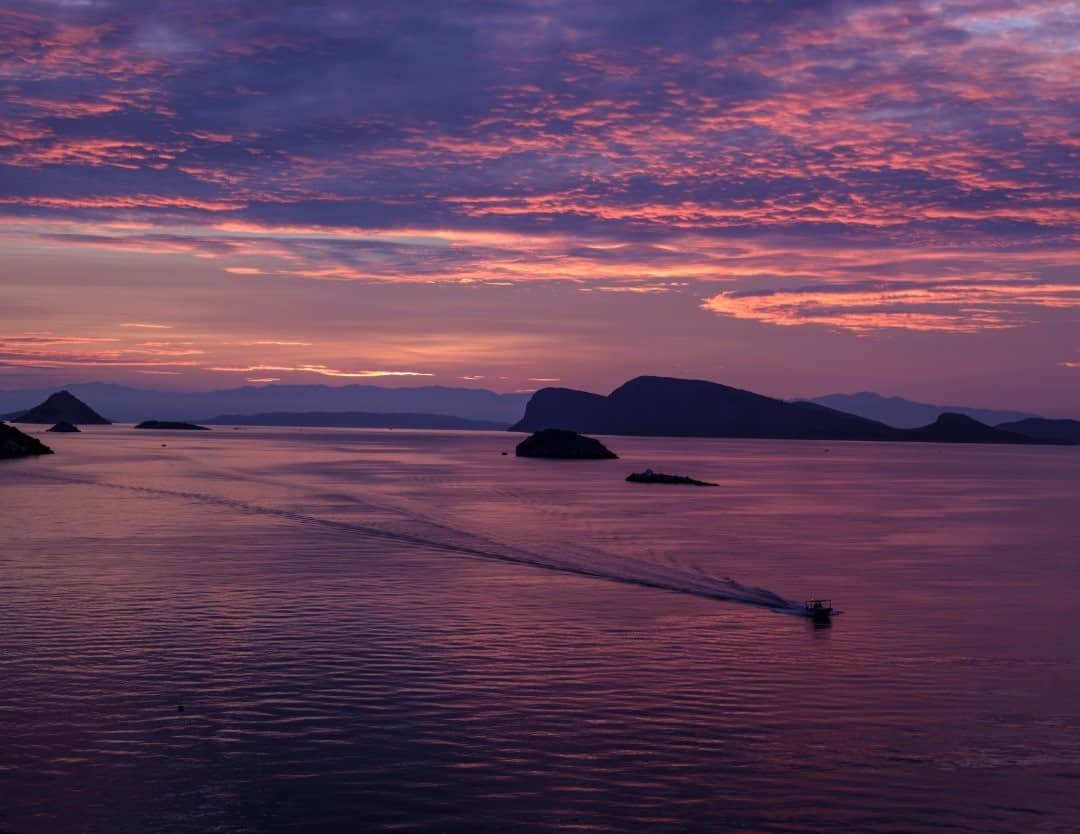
[598, 564]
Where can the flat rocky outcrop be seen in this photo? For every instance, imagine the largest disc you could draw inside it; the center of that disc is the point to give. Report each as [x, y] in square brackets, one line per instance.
[563, 445]
[170, 425]
[16, 444]
[650, 477]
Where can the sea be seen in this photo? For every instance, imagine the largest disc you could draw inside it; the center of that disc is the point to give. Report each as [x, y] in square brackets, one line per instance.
[335, 630]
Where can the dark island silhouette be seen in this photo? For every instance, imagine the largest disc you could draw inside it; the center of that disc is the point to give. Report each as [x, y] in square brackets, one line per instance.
[959, 428]
[170, 425]
[664, 407]
[356, 420]
[1045, 428]
[17, 444]
[64, 426]
[61, 407]
[650, 477]
[563, 445]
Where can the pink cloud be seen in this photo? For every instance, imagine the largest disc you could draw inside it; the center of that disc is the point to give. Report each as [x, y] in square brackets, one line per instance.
[958, 307]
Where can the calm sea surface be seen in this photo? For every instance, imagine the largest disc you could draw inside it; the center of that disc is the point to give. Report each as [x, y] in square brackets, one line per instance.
[407, 631]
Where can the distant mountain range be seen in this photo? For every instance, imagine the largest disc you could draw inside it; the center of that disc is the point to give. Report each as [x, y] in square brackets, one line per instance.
[659, 406]
[907, 414]
[354, 419]
[644, 406]
[131, 405]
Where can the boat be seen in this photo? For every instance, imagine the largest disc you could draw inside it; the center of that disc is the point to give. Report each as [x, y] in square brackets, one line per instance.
[818, 610]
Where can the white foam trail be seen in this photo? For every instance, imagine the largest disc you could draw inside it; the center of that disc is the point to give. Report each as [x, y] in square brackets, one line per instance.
[610, 567]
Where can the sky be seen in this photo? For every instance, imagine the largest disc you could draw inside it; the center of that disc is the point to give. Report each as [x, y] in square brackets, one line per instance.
[793, 197]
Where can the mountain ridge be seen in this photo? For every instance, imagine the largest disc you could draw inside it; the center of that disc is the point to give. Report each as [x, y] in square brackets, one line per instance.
[645, 405]
[667, 407]
[131, 405]
[903, 413]
[355, 419]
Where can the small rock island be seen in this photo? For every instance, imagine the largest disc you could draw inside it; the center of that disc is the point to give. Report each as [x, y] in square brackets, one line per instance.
[16, 444]
[64, 426]
[563, 445]
[650, 477]
[170, 425]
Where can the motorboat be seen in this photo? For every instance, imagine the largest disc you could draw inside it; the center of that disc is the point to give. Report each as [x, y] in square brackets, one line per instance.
[818, 610]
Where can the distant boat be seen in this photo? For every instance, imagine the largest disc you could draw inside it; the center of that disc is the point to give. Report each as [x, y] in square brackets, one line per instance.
[818, 610]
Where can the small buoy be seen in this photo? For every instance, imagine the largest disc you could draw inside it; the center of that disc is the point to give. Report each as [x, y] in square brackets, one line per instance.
[502, 453]
[179, 707]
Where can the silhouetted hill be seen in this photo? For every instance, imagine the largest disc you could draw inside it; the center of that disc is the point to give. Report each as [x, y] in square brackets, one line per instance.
[64, 407]
[130, 405]
[908, 414]
[355, 419]
[658, 406]
[17, 444]
[1048, 429]
[959, 428]
[63, 427]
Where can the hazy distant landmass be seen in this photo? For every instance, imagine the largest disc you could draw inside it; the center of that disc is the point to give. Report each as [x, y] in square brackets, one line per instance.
[908, 414]
[1041, 427]
[130, 405]
[356, 420]
[61, 407]
[660, 406]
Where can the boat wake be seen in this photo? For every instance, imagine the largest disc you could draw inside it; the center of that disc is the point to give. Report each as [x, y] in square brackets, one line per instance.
[444, 538]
